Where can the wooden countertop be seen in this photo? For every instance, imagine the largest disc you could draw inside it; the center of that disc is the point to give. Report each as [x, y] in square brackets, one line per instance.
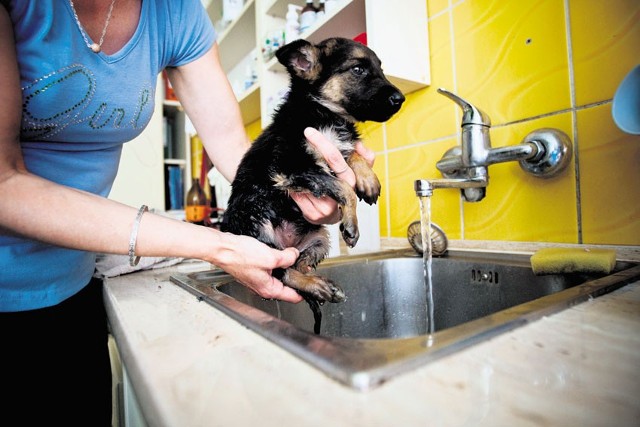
[191, 365]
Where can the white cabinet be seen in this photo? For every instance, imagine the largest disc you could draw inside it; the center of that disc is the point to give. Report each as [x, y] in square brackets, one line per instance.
[396, 31]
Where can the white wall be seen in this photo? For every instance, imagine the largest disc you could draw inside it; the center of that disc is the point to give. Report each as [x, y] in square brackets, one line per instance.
[140, 177]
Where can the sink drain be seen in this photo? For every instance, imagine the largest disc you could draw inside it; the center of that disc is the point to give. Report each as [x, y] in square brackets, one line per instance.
[439, 240]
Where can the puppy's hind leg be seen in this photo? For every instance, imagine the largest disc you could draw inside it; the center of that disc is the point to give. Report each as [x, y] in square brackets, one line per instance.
[317, 287]
[313, 249]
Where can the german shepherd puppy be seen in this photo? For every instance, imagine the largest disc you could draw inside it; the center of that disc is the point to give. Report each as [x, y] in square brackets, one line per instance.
[333, 85]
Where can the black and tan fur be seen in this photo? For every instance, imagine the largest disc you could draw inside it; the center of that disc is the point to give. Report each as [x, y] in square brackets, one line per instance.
[334, 84]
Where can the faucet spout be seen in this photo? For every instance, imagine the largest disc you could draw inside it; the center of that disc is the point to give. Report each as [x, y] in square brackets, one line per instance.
[425, 187]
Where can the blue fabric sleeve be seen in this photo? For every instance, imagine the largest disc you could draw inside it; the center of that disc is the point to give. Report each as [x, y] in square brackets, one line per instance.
[192, 33]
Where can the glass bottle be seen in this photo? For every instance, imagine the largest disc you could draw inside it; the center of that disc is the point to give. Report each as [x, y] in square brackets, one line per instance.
[196, 205]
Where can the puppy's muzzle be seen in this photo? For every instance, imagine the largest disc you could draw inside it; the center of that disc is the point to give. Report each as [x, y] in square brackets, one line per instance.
[396, 99]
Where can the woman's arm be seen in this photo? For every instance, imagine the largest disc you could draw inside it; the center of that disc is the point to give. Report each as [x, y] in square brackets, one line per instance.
[42, 210]
[206, 95]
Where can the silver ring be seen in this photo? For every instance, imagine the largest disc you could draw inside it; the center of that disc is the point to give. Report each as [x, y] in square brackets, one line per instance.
[342, 171]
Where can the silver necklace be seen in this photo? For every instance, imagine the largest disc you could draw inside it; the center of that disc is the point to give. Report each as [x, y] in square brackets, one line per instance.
[95, 47]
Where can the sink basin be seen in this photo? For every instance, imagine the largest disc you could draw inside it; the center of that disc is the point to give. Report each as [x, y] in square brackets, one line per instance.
[381, 329]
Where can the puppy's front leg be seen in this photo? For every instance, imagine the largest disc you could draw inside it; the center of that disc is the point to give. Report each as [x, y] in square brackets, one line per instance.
[367, 183]
[349, 223]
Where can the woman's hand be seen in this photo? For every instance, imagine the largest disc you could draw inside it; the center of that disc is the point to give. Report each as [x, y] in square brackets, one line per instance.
[325, 210]
[251, 262]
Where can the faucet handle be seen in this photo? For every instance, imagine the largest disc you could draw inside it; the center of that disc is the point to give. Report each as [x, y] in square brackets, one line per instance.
[471, 115]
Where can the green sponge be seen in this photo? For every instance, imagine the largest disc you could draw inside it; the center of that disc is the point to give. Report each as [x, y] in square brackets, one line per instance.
[573, 260]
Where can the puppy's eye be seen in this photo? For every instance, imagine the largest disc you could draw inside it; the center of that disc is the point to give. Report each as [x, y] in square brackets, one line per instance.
[358, 70]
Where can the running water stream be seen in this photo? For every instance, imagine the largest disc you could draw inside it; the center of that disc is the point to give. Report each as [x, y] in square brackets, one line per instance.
[427, 250]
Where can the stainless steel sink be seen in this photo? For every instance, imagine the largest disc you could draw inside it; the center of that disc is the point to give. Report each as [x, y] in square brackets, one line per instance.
[380, 330]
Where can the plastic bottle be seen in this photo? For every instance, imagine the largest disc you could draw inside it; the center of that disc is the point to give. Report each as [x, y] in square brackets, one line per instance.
[267, 49]
[292, 26]
[307, 16]
[248, 77]
[321, 10]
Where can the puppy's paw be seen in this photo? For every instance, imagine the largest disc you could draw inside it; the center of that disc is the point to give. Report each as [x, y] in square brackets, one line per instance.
[350, 232]
[368, 188]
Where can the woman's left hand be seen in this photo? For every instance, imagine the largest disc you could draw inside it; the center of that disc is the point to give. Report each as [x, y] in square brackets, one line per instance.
[325, 210]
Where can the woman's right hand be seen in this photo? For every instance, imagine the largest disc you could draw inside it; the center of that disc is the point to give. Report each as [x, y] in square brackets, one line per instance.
[251, 263]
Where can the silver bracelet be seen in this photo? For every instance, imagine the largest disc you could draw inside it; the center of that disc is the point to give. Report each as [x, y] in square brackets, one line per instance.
[133, 259]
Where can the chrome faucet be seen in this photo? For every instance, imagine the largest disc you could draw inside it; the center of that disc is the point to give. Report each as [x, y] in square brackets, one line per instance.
[544, 153]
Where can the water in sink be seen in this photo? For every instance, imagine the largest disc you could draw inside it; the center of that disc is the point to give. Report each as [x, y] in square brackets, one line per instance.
[381, 329]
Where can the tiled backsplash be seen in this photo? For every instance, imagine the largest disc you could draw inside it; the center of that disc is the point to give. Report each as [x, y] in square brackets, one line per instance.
[528, 64]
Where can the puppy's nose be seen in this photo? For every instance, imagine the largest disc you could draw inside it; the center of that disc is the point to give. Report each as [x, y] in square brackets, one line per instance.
[396, 99]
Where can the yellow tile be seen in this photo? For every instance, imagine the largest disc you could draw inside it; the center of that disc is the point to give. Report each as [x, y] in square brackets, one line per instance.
[379, 168]
[407, 165]
[427, 115]
[606, 45]
[609, 179]
[372, 135]
[436, 6]
[519, 206]
[511, 57]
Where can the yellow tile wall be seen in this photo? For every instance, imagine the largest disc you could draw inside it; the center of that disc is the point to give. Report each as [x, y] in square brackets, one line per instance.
[528, 64]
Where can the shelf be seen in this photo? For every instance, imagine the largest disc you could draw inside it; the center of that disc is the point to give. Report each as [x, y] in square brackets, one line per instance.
[249, 101]
[172, 104]
[176, 153]
[278, 8]
[238, 22]
[177, 162]
[239, 37]
[346, 20]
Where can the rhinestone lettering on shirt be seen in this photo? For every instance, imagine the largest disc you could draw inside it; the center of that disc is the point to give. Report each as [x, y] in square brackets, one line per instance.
[66, 107]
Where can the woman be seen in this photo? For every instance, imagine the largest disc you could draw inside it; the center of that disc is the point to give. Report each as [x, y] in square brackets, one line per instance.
[77, 79]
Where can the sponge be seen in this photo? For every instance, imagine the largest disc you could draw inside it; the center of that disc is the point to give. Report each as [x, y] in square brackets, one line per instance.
[573, 260]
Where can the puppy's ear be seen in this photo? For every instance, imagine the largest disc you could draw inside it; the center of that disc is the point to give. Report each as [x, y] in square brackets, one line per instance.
[301, 58]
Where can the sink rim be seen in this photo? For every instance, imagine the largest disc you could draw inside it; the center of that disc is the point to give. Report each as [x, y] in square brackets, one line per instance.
[365, 363]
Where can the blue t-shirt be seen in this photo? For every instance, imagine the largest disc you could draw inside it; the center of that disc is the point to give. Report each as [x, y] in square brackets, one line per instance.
[78, 109]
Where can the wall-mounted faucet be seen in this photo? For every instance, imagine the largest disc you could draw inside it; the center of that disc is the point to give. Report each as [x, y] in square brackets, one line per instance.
[543, 153]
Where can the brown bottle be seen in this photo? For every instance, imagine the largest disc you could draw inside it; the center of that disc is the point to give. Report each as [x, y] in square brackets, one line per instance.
[196, 205]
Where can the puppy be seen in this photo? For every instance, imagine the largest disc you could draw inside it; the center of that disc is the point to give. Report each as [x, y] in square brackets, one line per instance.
[333, 85]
